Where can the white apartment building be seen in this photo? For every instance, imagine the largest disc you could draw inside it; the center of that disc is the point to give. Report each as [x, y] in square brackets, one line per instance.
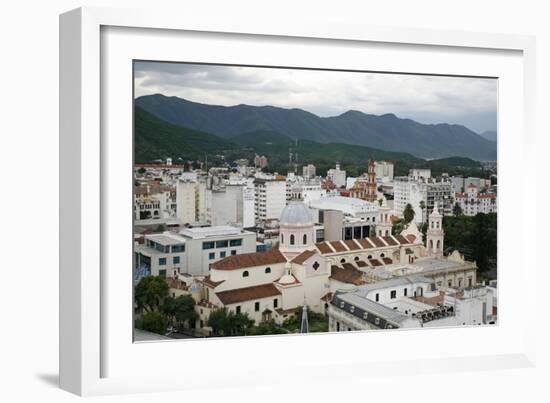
[420, 173]
[337, 176]
[409, 190]
[383, 171]
[270, 198]
[305, 190]
[191, 251]
[473, 202]
[232, 204]
[192, 204]
[309, 171]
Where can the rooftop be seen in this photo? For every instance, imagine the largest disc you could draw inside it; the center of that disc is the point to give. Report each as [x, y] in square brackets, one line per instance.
[245, 260]
[166, 238]
[213, 231]
[248, 293]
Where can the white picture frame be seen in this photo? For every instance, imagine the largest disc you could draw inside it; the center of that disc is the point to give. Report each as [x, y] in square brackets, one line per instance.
[96, 355]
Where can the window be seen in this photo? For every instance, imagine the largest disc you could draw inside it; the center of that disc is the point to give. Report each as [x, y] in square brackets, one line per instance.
[342, 260]
[469, 281]
[245, 273]
[337, 326]
[178, 248]
[162, 261]
[369, 257]
[382, 255]
[292, 239]
[222, 244]
[176, 259]
[304, 239]
[356, 258]
[267, 270]
[208, 245]
[450, 283]
[233, 252]
[222, 254]
[393, 294]
[282, 238]
[211, 255]
[256, 306]
[377, 297]
[405, 292]
[235, 242]
[238, 309]
[356, 232]
[275, 303]
[162, 273]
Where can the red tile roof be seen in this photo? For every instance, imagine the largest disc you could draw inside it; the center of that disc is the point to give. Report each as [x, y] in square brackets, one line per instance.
[364, 242]
[387, 260]
[347, 275]
[401, 239]
[377, 241]
[302, 257]
[352, 245]
[208, 282]
[390, 241]
[248, 294]
[324, 248]
[361, 263]
[375, 262]
[249, 260]
[338, 247]
[411, 238]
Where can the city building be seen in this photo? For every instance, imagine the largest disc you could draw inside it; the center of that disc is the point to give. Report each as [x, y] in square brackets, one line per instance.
[473, 202]
[309, 171]
[337, 176]
[260, 161]
[383, 171]
[269, 198]
[190, 251]
[192, 200]
[416, 191]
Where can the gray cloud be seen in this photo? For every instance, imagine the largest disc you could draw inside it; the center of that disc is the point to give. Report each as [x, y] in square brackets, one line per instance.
[429, 99]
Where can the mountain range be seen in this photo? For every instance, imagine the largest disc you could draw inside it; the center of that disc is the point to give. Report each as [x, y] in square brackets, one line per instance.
[382, 132]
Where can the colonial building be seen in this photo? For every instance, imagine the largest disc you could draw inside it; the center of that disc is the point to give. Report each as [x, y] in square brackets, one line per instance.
[277, 283]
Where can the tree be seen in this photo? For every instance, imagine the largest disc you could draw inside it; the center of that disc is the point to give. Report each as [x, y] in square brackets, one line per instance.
[408, 213]
[141, 170]
[155, 322]
[398, 226]
[228, 323]
[180, 311]
[457, 210]
[380, 201]
[150, 293]
[422, 208]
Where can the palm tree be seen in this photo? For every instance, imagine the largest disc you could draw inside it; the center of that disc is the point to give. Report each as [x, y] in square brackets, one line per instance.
[408, 213]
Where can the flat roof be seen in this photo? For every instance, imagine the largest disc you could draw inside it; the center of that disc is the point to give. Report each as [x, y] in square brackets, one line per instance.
[370, 307]
[392, 282]
[430, 265]
[166, 239]
[213, 231]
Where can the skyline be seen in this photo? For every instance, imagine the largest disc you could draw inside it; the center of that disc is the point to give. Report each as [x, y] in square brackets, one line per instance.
[471, 102]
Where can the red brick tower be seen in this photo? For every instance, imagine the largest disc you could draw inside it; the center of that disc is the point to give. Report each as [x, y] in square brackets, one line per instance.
[371, 182]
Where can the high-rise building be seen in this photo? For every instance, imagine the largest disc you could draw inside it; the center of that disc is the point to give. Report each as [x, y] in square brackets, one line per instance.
[337, 176]
[270, 198]
[309, 171]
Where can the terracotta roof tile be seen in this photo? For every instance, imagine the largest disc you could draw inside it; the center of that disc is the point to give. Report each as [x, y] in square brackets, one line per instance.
[248, 293]
[302, 257]
[401, 239]
[338, 246]
[347, 275]
[361, 263]
[208, 282]
[390, 241]
[411, 238]
[377, 241]
[375, 262]
[249, 260]
[387, 260]
[364, 242]
[352, 245]
[324, 248]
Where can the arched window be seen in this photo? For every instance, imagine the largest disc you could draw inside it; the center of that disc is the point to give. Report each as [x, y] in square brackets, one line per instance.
[267, 270]
[292, 239]
[438, 244]
[356, 258]
[245, 273]
[343, 261]
[431, 245]
[387, 232]
[369, 257]
[282, 238]
[305, 239]
[382, 255]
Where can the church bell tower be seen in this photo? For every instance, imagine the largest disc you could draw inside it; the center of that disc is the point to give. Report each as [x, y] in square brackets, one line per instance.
[435, 234]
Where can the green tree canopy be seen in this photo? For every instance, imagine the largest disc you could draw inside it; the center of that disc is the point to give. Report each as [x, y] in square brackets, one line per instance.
[408, 213]
[150, 293]
[180, 310]
[155, 322]
[227, 323]
[457, 210]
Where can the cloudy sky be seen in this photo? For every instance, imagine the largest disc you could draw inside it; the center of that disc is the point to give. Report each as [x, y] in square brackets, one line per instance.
[471, 102]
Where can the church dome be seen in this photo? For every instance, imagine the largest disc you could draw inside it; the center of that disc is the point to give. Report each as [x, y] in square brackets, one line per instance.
[296, 213]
